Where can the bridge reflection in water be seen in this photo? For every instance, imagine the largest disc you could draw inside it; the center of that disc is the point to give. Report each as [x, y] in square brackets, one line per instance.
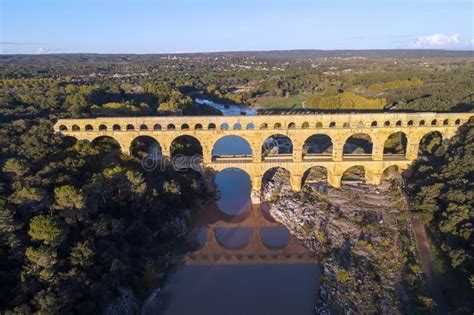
[250, 238]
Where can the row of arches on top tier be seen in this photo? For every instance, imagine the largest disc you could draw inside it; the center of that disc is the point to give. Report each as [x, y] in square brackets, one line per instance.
[156, 127]
[251, 126]
[279, 145]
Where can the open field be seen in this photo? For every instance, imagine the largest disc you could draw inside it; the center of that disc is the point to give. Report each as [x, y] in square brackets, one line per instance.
[274, 102]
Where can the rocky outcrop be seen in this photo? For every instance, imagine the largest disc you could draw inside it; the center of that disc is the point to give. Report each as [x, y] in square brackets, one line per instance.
[353, 231]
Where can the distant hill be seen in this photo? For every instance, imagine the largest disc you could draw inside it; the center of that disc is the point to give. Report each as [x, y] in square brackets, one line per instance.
[321, 54]
[271, 55]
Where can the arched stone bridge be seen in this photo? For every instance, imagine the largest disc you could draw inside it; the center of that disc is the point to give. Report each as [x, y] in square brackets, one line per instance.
[298, 128]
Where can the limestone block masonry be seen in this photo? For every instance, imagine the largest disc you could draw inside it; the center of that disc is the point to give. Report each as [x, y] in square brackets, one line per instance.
[255, 129]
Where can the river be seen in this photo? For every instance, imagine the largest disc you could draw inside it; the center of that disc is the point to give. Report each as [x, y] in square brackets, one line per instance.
[227, 110]
[239, 260]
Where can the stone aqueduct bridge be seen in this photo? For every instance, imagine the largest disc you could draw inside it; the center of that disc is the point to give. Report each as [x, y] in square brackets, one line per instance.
[256, 129]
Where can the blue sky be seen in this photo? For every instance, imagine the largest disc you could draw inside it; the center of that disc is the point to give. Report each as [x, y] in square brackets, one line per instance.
[169, 26]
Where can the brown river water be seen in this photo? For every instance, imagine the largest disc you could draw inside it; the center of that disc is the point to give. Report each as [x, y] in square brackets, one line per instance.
[240, 261]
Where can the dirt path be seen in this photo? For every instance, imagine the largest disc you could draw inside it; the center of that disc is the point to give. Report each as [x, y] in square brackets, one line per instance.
[423, 245]
[424, 252]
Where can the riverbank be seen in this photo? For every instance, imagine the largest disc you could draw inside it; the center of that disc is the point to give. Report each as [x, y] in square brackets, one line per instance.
[135, 299]
[142, 294]
[355, 231]
[151, 304]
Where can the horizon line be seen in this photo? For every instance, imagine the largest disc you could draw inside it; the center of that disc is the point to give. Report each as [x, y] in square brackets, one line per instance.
[244, 51]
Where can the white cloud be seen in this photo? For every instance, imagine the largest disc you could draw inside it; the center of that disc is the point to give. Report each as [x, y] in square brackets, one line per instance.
[435, 41]
[39, 51]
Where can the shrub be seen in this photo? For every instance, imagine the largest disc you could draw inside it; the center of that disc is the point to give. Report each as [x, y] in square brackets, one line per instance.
[342, 276]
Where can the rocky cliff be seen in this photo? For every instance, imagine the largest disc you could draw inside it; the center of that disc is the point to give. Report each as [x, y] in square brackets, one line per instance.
[354, 232]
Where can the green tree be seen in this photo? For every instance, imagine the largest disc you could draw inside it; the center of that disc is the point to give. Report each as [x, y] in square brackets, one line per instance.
[137, 182]
[9, 228]
[47, 302]
[82, 255]
[8, 224]
[170, 106]
[16, 166]
[27, 195]
[71, 203]
[69, 197]
[42, 256]
[47, 229]
[23, 309]
[427, 302]
[172, 187]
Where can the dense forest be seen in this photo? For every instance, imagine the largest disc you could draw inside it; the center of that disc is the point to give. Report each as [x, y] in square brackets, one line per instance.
[442, 191]
[168, 84]
[79, 221]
